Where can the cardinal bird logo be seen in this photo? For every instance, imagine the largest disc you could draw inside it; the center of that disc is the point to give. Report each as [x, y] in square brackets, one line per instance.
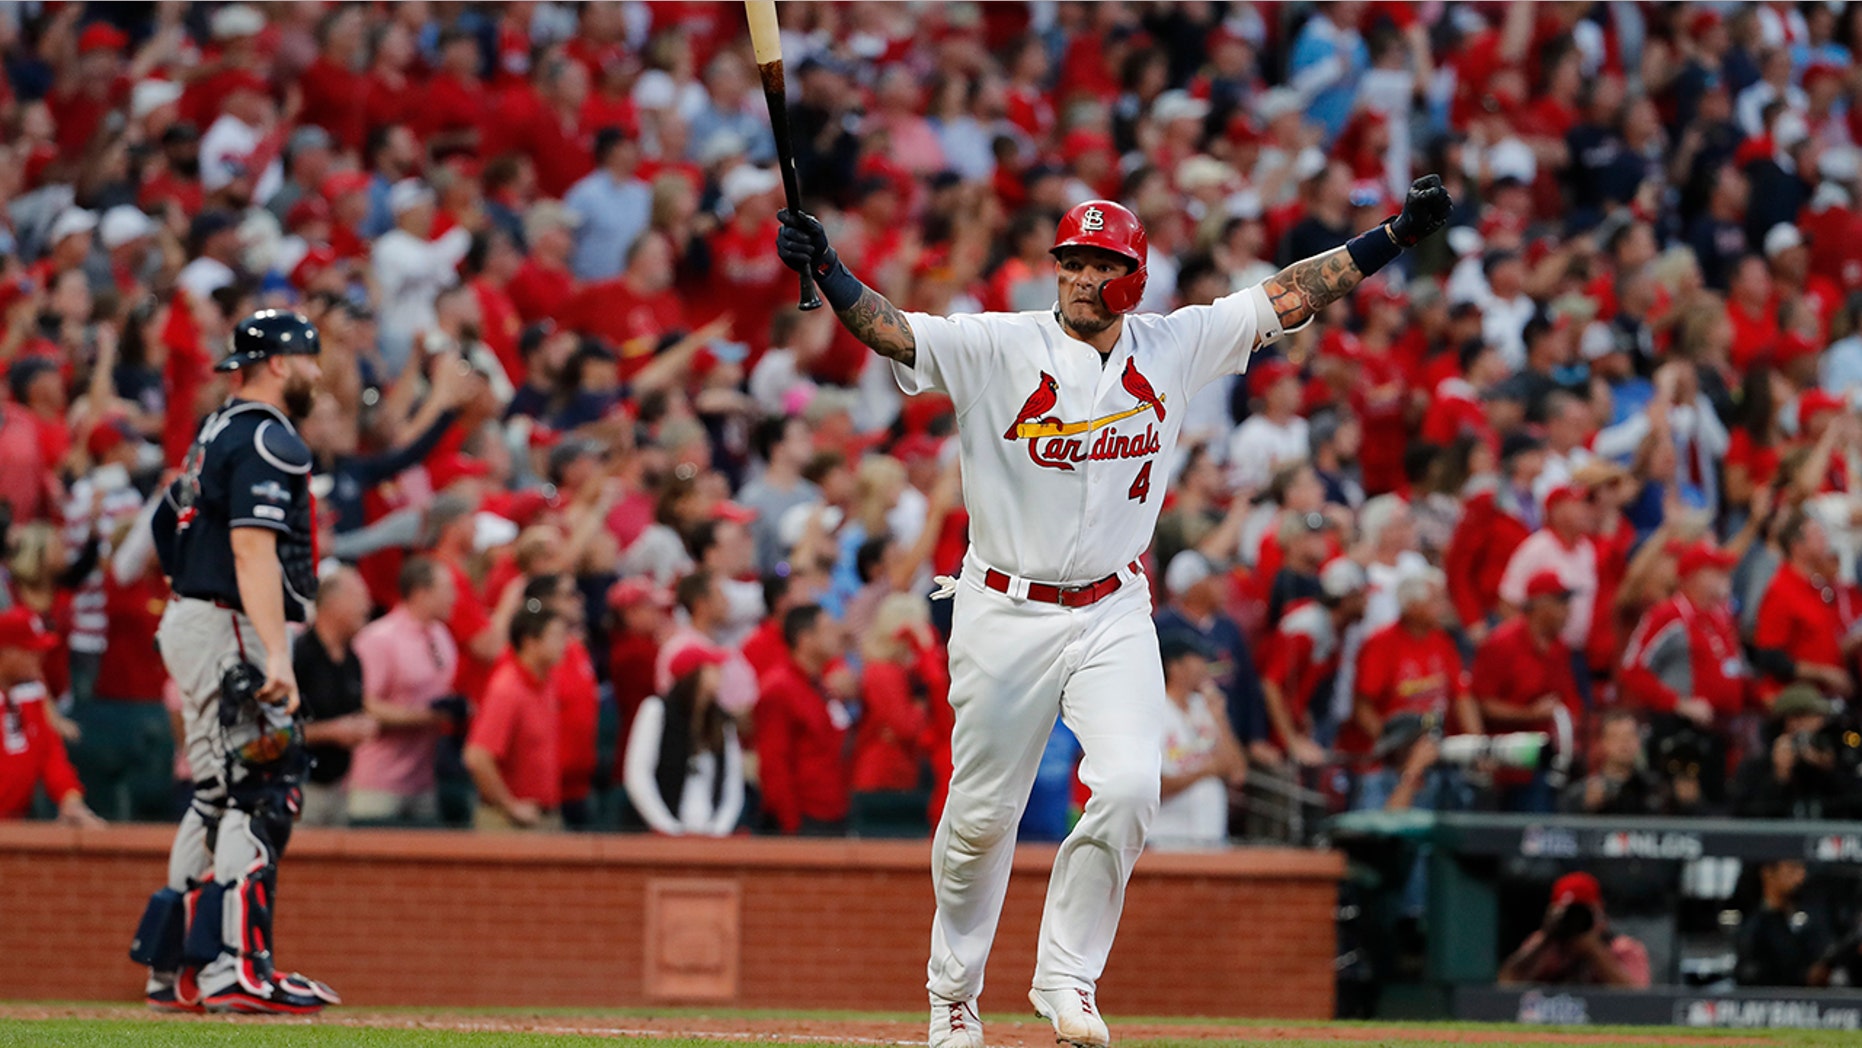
[1140, 388]
[1039, 403]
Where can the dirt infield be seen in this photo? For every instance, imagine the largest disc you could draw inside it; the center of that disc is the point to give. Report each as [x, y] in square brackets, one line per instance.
[1020, 1033]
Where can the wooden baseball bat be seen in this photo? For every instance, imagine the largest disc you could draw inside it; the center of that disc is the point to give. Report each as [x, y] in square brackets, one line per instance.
[766, 41]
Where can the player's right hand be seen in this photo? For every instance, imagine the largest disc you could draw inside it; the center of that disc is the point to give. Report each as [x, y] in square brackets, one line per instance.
[280, 686]
[802, 243]
[524, 812]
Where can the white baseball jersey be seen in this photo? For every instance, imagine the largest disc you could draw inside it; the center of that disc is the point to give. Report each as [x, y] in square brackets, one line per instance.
[1058, 448]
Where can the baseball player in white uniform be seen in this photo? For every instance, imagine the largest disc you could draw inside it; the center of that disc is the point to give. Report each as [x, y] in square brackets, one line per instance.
[1062, 415]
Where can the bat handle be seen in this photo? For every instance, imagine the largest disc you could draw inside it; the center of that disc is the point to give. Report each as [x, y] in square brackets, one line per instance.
[792, 188]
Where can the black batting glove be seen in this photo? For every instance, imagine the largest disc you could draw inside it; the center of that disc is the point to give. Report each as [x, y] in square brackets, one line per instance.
[802, 244]
[1424, 212]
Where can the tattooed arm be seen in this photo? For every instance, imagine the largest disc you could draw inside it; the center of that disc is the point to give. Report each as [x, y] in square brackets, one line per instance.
[1301, 290]
[878, 323]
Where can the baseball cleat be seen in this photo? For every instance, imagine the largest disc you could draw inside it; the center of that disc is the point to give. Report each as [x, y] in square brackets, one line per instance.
[1074, 1015]
[272, 1000]
[304, 986]
[164, 1000]
[954, 1024]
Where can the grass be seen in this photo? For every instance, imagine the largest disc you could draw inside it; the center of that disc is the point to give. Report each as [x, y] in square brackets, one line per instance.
[156, 1032]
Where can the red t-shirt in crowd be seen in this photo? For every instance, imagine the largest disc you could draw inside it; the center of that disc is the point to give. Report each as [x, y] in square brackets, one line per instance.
[1402, 672]
[469, 619]
[519, 725]
[1511, 667]
[630, 673]
[1805, 619]
[763, 649]
[631, 323]
[748, 281]
[131, 670]
[24, 469]
[30, 752]
[895, 736]
[578, 699]
[801, 750]
[449, 105]
[1753, 334]
[335, 99]
[540, 292]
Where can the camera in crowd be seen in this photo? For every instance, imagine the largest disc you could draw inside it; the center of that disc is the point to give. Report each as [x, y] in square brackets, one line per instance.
[1575, 922]
[1523, 750]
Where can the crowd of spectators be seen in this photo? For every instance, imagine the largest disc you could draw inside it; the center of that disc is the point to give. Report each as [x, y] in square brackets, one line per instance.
[616, 536]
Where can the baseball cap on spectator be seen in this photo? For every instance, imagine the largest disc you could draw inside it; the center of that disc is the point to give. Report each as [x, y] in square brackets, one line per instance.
[243, 80]
[20, 628]
[1178, 105]
[694, 657]
[108, 435]
[1517, 444]
[547, 215]
[1277, 102]
[1814, 402]
[71, 222]
[1547, 584]
[1800, 700]
[1579, 887]
[1598, 340]
[1186, 569]
[22, 373]
[206, 226]
[721, 145]
[1702, 556]
[343, 183]
[446, 470]
[735, 512]
[150, 95]
[1175, 644]
[310, 136]
[101, 36]
[746, 181]
[567, 453]
[408, 194]
[489, 531]
[1597, 473]
[628, 592]
[795, 520]
[309, 208]
[1783, 237]
[1564, 493]
[1203, 172]
[122, 224]
[235, 21]
[312, 265]
[1263, 376]
[1341, 577]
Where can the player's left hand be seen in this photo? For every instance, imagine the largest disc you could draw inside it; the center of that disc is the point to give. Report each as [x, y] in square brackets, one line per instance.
[1424, 212]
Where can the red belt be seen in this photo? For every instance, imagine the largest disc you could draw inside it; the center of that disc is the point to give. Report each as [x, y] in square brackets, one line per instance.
[1065, 596]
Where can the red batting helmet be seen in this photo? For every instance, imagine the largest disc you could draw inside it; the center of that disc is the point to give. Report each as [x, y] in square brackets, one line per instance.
[1109, 227]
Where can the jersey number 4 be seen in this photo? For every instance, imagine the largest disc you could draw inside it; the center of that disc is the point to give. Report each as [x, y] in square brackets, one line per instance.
[1141, 484]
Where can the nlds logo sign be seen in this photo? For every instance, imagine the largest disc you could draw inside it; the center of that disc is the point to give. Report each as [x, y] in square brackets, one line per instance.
[1639, 844]
[1545, 1009]
[1837, 848]
[1553, 842]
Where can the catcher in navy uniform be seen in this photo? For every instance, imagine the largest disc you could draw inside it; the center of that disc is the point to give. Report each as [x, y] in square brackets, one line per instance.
[234, 534]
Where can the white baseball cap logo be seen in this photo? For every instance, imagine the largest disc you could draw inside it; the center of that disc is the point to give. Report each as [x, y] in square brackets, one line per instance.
[1092, 220]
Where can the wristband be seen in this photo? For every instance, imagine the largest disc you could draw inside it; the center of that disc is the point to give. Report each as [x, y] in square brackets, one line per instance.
[1374, 249]
[839, 286]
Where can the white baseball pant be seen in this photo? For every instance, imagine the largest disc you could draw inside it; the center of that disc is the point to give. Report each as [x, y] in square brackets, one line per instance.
[1014, 663]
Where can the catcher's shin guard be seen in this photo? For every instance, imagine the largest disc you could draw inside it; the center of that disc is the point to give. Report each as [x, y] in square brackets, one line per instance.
[160, 933]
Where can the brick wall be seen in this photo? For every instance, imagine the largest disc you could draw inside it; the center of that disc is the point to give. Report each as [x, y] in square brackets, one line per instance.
[584, 920]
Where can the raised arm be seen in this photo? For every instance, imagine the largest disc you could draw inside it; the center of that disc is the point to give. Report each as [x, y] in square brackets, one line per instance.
[1301, 290]
[803, 245]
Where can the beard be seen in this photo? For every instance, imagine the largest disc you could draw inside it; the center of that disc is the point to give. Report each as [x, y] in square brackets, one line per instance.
[300, 395]
[1089, 322]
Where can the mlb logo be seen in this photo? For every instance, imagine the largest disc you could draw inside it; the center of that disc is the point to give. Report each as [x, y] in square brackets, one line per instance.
[1092, 220]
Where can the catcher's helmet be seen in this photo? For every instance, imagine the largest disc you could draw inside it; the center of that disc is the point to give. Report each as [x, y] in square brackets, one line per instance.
[271, 333]
[1110, 227]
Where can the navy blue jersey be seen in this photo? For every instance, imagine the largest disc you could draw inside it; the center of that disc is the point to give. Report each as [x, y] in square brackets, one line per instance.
[247, 468]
